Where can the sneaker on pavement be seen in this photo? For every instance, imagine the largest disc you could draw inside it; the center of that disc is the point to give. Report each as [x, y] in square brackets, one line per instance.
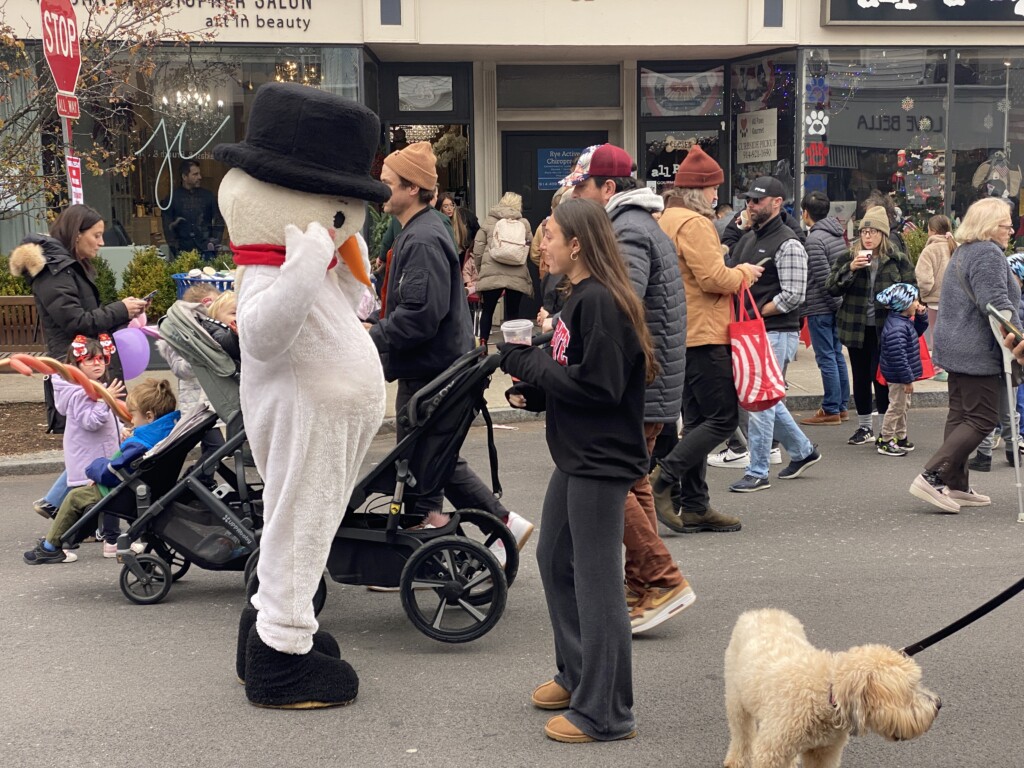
[750, 484]
[712, 520]
[862, 436]
[43, 508]
[521, 528]
[891, 448]
[109, 550]
[659, 605]
[729, 458]
[40, 555]
[664, 505]
[980, 463]
[929, 487]
[797, 468]
[633, 598]
[775, 457]
[498, 550]
[820, 417]
[905, 444]
[969, 498]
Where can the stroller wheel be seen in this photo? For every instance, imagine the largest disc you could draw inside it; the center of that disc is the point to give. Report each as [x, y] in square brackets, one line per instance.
[178, 562]
[453, 589]
[487, 529]
[319, 597]
[153, 586]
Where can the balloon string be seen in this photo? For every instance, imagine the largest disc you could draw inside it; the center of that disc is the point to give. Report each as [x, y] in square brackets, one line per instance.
[29, 364]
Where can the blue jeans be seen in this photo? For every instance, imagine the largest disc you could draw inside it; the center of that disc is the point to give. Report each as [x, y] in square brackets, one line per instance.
[828, 353]
[58, 490]
[777, 421]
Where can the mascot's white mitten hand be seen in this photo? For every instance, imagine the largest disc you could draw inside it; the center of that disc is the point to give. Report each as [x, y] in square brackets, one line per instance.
[315, 244]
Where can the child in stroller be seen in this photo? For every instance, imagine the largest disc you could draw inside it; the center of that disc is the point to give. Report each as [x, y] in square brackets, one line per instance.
[152, 406]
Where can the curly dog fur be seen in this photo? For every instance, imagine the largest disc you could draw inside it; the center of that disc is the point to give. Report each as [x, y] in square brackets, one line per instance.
[787, 699]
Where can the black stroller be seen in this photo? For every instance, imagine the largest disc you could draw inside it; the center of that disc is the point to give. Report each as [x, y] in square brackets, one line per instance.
[182, 520]
[452, 586]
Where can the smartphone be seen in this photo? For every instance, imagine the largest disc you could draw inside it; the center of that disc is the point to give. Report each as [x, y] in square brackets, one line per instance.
[763, 261]
[150, 296]
[1006, 325]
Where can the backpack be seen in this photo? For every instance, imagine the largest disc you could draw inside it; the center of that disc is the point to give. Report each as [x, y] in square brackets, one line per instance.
[508, 243]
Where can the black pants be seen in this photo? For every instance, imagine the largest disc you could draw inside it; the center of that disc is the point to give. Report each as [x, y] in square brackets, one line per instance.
[55, 420]
[490, 303]
[464, 489]
[863, 370]
[973, 414]
[710, 415]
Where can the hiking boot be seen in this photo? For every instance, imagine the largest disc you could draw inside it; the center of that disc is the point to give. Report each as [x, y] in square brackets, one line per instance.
[40, 555]
[905, 444]
[980, 463]
[891, 448]
[796, 468]
[729, 458]
[550, 695]
[928, 486]
[820, 417]
[712, 520]
[750, 484]
[969, 498]
[659, 605]
[863, 436]
[43, 508]
[664, 506]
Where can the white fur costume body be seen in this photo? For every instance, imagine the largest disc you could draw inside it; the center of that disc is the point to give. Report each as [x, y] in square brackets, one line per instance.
[312, 390]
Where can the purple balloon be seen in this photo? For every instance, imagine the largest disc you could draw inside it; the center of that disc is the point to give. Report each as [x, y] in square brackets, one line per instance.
[133, 349]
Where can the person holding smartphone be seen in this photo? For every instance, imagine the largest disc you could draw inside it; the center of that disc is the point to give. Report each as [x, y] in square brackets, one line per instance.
[858, 276]
[978, 275]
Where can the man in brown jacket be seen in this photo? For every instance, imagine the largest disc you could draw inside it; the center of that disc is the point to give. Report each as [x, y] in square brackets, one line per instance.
[710, 406]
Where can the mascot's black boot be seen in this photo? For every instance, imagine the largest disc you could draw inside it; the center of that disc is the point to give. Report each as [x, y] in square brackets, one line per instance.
[322, 641]
[286, 681]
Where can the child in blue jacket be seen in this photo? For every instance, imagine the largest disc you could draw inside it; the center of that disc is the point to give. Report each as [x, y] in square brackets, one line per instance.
[152, 405]
[900, 361]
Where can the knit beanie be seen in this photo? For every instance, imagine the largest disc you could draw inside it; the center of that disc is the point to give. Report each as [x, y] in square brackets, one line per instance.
[416, 164]
[699, 170]
[876, 218]
[897, 296]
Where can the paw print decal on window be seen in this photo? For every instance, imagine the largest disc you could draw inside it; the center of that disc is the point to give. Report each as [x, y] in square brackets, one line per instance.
[817, 122]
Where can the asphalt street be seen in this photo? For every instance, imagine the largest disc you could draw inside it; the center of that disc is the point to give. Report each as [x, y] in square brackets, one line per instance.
[89, 679]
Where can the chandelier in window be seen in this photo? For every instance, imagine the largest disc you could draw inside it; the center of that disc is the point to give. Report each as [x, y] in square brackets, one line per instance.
[190, 101]
[303, 71]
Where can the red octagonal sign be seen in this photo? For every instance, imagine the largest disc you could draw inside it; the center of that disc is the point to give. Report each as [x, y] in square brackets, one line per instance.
[60, 43]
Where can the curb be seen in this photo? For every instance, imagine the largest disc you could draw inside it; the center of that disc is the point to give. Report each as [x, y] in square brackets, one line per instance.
[52, 462]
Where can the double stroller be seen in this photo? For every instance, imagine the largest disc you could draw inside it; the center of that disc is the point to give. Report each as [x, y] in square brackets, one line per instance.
[452, 584]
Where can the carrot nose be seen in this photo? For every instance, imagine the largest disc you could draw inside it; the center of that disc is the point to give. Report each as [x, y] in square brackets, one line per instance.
[353, 258]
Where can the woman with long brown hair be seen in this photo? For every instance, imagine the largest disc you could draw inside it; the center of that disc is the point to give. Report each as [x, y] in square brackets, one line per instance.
[591, 383]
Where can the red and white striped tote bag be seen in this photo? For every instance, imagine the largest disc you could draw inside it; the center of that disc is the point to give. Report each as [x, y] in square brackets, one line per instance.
[755, 371]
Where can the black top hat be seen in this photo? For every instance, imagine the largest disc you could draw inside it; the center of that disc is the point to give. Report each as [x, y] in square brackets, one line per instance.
[309, 140]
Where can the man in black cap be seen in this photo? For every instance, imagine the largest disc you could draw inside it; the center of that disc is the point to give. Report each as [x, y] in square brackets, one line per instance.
[778, 295]
[740, 224]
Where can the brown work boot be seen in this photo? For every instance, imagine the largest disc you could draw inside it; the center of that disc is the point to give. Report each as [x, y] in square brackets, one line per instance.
[550, 695]
[712, 520]
[664, 505]
[844, 415]
[820, 417]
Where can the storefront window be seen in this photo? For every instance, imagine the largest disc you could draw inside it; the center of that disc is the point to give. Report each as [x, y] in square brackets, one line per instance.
[875, 119]
[451, 147]
[763, 93]
[986, 127]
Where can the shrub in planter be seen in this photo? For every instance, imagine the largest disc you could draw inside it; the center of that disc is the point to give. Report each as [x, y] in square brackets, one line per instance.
[145, 273]
[9, 284]
[106, 281]
[186, 261]
[915, 239]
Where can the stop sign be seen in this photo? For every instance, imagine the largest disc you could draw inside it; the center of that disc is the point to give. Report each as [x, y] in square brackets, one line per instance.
[60, 43]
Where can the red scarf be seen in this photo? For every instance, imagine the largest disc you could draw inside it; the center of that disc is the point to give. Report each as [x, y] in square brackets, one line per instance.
[269, 255]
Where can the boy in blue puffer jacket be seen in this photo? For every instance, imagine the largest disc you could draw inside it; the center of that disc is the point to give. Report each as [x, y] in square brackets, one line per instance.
[152, 405]
[900, 361]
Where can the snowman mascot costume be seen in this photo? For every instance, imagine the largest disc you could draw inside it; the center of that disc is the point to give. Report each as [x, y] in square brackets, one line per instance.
[312, 389]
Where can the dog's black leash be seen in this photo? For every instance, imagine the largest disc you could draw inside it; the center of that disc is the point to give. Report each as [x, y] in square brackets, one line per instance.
[962, 622]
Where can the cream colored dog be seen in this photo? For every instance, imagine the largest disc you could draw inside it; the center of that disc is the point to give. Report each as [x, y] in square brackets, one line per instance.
[785, 698]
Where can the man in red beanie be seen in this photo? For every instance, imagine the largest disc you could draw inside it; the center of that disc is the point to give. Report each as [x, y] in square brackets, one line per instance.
[656, 590]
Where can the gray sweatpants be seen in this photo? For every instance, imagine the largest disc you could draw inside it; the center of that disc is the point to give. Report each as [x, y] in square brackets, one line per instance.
[580, 559]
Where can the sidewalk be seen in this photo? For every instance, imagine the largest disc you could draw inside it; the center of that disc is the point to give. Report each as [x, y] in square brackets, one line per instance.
[804, 398]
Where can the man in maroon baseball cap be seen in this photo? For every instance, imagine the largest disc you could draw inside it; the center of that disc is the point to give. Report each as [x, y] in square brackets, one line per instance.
[601, 160]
